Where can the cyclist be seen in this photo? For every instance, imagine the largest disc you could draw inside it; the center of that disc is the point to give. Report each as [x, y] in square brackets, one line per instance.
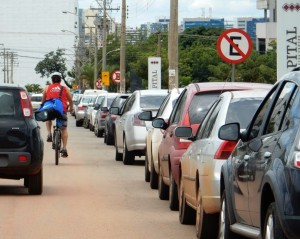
[54, 91]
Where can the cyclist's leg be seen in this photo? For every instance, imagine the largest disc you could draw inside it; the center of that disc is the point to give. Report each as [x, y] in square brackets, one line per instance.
[64, 135]
[49, 126]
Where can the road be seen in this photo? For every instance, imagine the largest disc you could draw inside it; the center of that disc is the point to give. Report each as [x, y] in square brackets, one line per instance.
[88, 195]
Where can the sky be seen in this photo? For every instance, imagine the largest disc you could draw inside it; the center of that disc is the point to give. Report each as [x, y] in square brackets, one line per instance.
[143, 11]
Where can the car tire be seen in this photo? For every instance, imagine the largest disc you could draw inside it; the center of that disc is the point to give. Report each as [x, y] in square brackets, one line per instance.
[187, 215]
[91, 127]
[163, 189]
[205, 223]
[128, 156]
[173, 194]
[109, 138]
[147, 172]
[272, 224]
[153, 177]
[35, 183]
[79, 123]
[224, 222]
[26, 182]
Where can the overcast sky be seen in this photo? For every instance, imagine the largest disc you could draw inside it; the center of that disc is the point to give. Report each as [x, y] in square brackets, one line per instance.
[143, 11]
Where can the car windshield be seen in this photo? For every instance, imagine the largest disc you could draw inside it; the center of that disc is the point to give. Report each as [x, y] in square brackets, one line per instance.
[241, 110]
[152, 101]
[36, 98]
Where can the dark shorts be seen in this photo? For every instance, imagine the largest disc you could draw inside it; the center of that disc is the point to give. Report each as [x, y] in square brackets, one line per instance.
[62, 123]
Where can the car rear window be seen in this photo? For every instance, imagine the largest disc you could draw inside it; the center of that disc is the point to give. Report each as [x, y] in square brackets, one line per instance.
[242, 110]
[36, 98]
[118, 102]
[200, 105]
[152, 101]
[7, 103]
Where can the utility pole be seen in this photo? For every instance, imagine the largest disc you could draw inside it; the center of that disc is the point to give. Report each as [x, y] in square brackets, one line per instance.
[4, 65]
[96, 52]
[7, 67]
[12, 67]
[123, 49]
[173, 45]
[104, 33]
[159, 43]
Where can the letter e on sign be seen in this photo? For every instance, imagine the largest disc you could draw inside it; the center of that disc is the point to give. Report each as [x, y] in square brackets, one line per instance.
[234, 46]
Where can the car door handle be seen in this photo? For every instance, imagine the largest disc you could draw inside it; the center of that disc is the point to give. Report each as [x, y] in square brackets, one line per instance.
[267, 155]
[246, 157]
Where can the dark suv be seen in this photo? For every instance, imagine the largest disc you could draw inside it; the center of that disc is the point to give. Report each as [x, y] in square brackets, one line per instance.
[21, 145]
[261, 179]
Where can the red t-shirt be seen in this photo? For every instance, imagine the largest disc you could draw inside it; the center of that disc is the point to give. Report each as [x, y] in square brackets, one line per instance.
[53, 91]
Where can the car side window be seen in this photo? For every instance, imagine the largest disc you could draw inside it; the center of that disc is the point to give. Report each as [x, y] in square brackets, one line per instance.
[209, 121]
[175, 115]
[280, 108]
[261, 114]
[129, 104]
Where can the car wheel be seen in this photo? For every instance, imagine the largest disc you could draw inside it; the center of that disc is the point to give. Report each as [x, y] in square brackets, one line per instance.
[187, 215]
[163, 189]
[100, 133]
[205, 223]
[173, 194]
[224, 224]
[78, 123]
[26, 182]
[91, 127]
[109, 138]
[153, 177]
[272, 227]
[35, 183]
[128, 156]
[118, 156]
[147, 172]
[96, 130]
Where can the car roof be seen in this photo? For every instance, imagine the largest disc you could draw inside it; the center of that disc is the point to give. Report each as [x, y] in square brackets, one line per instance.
[257, 93]
[292, 76]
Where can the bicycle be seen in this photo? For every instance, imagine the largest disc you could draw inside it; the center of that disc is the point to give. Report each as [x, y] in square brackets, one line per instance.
[56, 142]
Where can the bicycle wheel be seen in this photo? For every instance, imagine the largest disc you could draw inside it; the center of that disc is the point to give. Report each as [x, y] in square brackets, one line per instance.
[57, 146]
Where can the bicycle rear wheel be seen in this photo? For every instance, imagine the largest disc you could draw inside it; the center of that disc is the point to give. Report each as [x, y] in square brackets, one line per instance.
[57, 146]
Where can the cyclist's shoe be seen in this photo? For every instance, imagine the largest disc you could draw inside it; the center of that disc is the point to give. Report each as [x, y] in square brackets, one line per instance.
[49, 138]
[64, 153]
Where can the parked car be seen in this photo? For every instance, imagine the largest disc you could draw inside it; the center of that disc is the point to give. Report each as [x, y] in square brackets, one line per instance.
[76, 99]
[100, 112]
[190, 110]
[130, 132]
[260, 180]
[80, 109]
[200, 166]
[36, 101]
[109, 128]
[90, 111]
[21, 144]
[155, 135]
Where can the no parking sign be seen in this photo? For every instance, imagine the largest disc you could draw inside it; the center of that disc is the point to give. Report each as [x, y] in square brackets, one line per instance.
[234, 45]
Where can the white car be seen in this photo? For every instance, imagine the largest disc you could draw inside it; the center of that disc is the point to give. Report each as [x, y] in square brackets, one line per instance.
[200, 166]
[131, 132]
[36, 101]
[80, 109]
[155, 135]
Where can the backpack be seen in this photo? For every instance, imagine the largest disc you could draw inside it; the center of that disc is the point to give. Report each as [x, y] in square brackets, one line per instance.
[50, 109]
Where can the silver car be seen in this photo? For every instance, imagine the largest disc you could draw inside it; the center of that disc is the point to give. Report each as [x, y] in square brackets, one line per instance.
[131, 132]
[80, 109]
[200, 166]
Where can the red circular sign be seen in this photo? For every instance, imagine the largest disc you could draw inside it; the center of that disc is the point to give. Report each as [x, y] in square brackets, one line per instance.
[234, 46]
[115, 76]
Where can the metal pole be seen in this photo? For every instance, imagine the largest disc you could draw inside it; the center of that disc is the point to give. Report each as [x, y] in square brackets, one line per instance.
[104, 40]
[122, 49]
[12, 68]
[7, 67]
[96, 53]
[233, 73]
[4, 67]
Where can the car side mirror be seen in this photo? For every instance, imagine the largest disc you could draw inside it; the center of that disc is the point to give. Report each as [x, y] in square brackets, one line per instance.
[97, 107]
[184, 132]
[230, 132]
[114, 111]
[104, 109]
[146, 116]
[159, 123]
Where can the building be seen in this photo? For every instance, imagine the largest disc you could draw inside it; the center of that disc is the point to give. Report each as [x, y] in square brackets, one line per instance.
[32, 28]
[203, 22]
[161, 25]
[266, 32]
[248, 24]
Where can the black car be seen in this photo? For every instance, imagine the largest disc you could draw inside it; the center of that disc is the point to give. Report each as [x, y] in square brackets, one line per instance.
[109, 128]
[260, 181]
[21, 145]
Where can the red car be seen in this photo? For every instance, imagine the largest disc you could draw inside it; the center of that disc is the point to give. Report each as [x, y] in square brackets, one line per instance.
[190, 109]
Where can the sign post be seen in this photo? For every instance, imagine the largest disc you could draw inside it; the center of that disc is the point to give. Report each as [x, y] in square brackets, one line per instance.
[234, 46]
[105, 78]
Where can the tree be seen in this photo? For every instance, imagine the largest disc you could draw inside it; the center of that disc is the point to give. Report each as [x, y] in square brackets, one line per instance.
[36, 88]
[53, 62]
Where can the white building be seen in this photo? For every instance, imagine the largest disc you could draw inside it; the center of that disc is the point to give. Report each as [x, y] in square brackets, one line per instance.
[32, 28]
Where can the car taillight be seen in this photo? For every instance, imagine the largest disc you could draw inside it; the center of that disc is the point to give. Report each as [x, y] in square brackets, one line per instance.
[23, 158]
[26, 104]
[113, 117]
[103, 115]
[225, 149]
[81, 108]
[297, 160]
[183, 143]
[137, 121]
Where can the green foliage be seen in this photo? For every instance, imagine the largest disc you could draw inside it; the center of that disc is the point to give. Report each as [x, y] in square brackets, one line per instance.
[34, 88]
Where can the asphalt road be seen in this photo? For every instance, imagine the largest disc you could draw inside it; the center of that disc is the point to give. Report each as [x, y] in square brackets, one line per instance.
[88, 195]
